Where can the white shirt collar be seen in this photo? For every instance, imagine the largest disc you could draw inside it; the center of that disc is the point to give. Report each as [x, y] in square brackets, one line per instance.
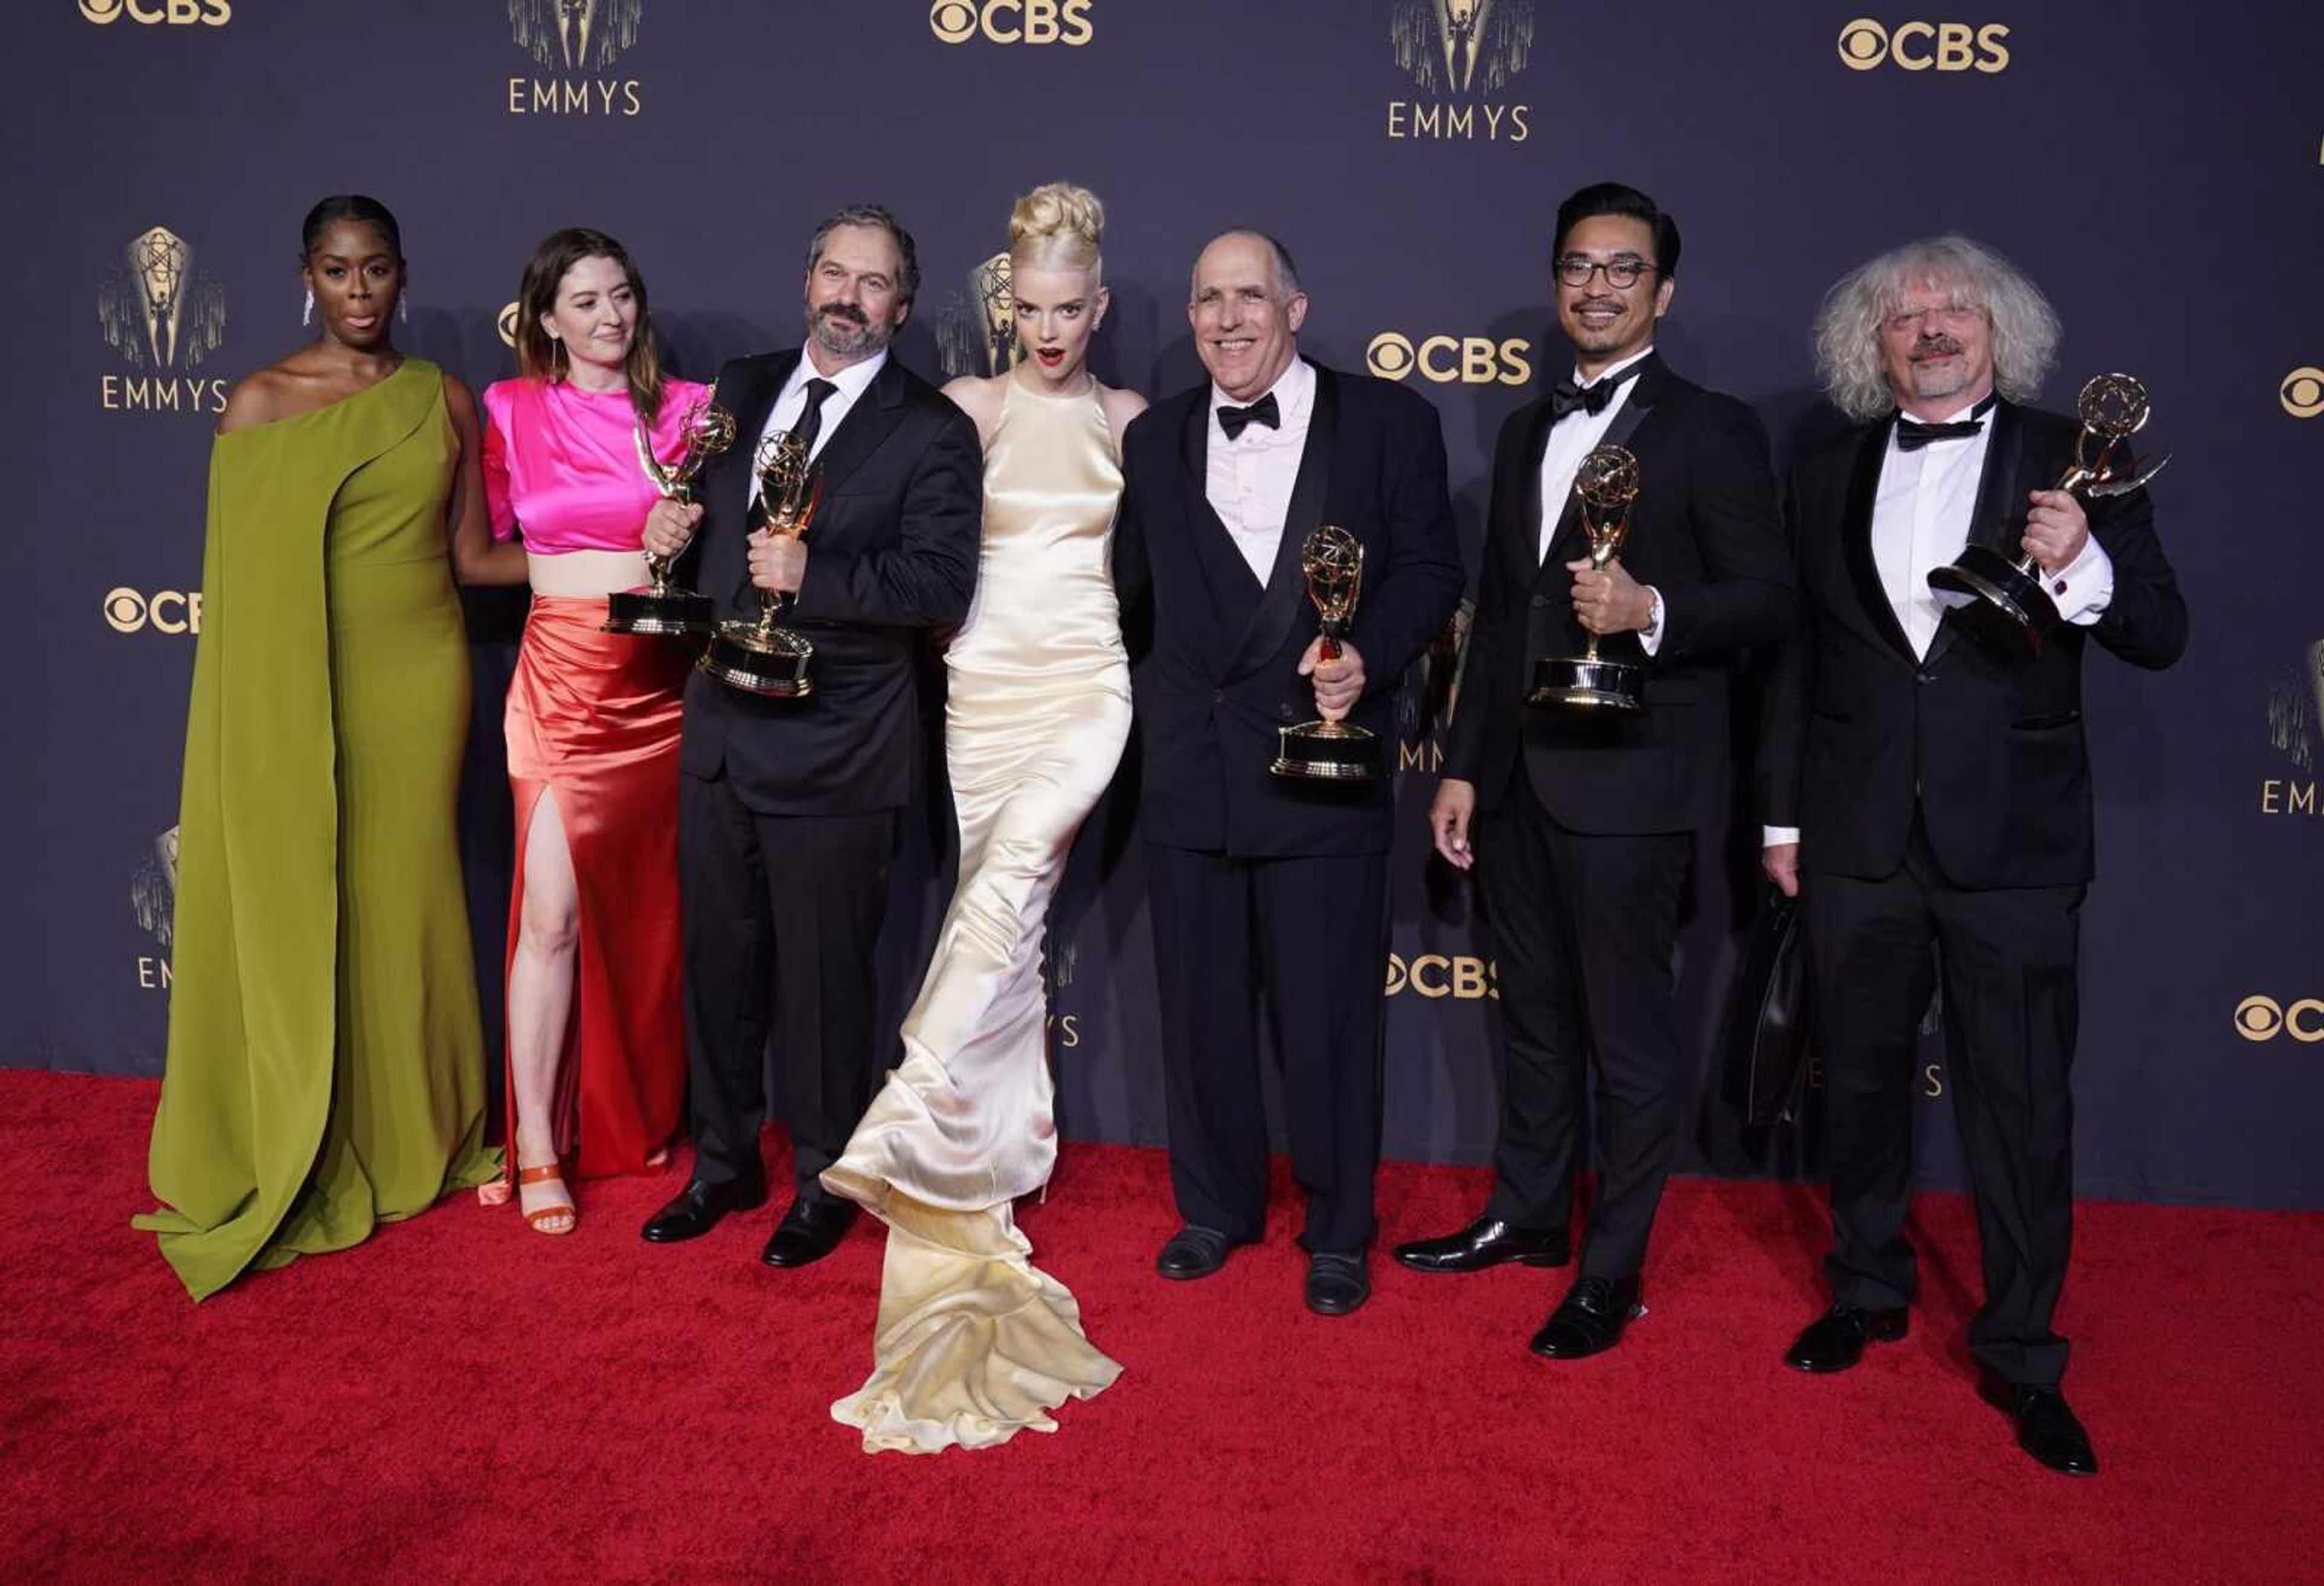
[1293, 390]
[850, 381]
[1959, 413]
[1641, 355]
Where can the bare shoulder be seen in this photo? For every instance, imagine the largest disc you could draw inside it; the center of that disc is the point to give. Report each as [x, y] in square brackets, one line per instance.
[980, 398]
[1120, 408]
[260, 397]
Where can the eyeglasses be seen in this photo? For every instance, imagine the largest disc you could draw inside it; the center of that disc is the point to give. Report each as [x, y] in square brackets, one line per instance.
[1621, 273]
[1913, 319]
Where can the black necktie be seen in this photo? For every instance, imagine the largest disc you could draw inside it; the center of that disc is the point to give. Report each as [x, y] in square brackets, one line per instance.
[810, 419]
[1234, 420]
[1565, 397]
[1912, 435]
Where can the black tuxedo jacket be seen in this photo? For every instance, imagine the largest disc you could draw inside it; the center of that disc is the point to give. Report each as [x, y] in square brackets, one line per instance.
[1216, 655]
[1985, 737]
[892, 550]
[1705, 533]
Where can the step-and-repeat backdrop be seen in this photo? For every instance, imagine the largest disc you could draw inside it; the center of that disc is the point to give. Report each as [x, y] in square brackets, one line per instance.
[2154, 166]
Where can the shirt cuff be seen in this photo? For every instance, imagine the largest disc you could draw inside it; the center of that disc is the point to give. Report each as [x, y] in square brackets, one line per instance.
[1650, 637]
[1772, 836]
[2085, 588]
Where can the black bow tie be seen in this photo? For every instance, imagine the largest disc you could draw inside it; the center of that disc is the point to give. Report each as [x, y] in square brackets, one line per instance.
[1912, 435]
[1565, 397]
[1235, 420]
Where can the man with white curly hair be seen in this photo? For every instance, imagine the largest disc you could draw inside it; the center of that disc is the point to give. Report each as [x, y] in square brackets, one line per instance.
[1927, 792]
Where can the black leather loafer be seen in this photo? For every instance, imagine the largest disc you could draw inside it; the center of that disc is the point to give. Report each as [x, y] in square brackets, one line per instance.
[2047, 1427]
[1337, 1285]
[1194, 1252]
[1835, 1341]
[808, 1232]
[1486, 1242]
[697, 1209]
[1588, 1321]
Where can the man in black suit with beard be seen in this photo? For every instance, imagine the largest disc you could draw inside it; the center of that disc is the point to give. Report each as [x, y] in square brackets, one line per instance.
[1259, 882]
[1927, 790]
[1583, 821]
[788, 809]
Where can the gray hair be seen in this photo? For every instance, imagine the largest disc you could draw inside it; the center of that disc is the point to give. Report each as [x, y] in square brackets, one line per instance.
[1848, 326]
[876, 217]
[1286, 274]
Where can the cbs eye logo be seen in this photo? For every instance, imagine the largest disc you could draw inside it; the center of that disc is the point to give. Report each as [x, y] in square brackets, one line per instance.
[1919, 46]
[508, 325]
[1436, 974]
[1012, 21]
[2303, 392]
[2263, 1019]
[214, 14]
[165, 611]
[1468, 360]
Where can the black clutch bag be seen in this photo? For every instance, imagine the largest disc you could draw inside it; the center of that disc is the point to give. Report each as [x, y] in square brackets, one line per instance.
[1767, 1032]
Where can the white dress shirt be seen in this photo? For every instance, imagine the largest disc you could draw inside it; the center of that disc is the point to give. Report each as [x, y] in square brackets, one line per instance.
[1249, 480]
[1921, 521]
[1571, 439]
[792, 402]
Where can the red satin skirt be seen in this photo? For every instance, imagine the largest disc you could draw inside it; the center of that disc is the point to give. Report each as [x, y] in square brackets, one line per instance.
[593, 718]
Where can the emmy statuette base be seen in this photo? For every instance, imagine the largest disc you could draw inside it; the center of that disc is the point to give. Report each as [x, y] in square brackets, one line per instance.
[1326, 752]
[1577, 682]
[2009, 601]
[773, 663]
[658, 612]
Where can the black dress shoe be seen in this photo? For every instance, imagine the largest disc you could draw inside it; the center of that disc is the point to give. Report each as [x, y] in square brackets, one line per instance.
[1337, 1285]
[2046, 1429]
[1835, 1341]
[1486, 1242]
[1194, 1252]
[809, 1231]
[1588, 1321]
[698, 1208]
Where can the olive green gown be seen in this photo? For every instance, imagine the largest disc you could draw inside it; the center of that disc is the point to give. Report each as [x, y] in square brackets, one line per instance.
[325, 1062]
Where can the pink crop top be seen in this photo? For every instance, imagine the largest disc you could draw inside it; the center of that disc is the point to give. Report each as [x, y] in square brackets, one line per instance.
[561, 462]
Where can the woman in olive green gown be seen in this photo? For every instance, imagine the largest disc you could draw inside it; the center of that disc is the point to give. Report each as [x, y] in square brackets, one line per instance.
[326, 1061]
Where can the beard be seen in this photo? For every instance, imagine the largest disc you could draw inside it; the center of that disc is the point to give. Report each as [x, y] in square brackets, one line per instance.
[846, 334]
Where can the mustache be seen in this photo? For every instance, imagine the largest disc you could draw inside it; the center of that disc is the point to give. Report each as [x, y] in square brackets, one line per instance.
[842, 311]
[1614, 303]
[1936, 346]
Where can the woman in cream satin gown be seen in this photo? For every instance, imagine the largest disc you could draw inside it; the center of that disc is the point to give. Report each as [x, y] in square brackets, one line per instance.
[973, 1342]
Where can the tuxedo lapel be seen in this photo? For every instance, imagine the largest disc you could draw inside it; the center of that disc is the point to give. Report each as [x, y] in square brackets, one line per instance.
[726, 486]
[868, 421]
[1287, 582]
[1856, 540]
[1218, 561]
[1998, 520]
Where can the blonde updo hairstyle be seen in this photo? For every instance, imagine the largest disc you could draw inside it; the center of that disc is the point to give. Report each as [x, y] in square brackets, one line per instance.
[1059, 226]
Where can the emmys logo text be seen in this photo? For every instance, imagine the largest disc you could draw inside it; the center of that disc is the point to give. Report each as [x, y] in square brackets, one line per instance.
[214, 14]
[2263, 1019]
[1448, 360]
[162, 316]
[574, 42]
[165, 611]
[1924, 46]
[1012, 21]
[1462, 56]
[2303, 392]
[1436, 974]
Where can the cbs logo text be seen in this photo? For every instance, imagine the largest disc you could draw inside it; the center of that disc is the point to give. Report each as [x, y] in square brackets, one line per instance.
[1924, 46]
[2263, 1019]
[1438, 974]
[1469, 360]
[215, 13]
[165, 611]
[1012, 21]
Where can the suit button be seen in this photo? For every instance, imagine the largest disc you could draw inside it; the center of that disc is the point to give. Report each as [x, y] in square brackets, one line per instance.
[1218, 696]
[1924, 676]
[1540, 601]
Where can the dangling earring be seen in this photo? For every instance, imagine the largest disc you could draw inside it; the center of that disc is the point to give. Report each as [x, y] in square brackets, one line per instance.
[309, 317]
[557, 357]
[403, 310]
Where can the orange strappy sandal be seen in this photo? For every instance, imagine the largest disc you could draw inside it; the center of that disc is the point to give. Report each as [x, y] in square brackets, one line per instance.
[550, 1173]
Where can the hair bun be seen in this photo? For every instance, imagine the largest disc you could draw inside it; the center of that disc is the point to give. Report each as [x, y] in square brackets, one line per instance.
[1057, 209]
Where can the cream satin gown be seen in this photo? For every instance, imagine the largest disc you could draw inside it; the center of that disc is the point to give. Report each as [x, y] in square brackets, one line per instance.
[974, 1344]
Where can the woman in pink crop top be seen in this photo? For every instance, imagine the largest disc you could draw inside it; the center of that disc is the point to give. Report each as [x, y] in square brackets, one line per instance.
[596, 1035]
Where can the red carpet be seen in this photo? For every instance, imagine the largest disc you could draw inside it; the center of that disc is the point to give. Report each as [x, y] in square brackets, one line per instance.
[460, 1399]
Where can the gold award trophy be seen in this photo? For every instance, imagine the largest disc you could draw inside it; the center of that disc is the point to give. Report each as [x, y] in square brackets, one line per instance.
[2008, 595]
[1333, 561]
[1608, 486]
[763, 656]
[661, 607]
